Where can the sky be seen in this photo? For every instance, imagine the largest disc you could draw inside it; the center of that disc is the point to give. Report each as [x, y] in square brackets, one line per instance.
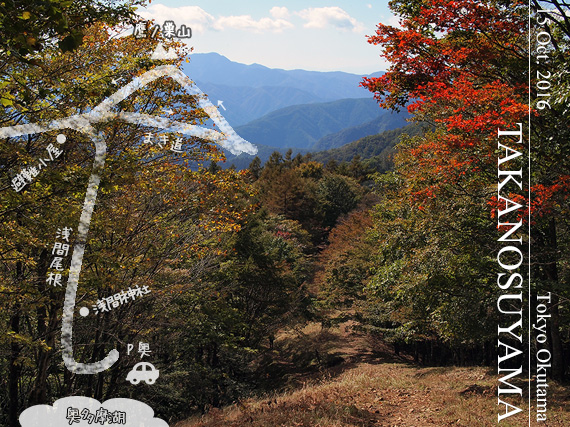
[319, 35]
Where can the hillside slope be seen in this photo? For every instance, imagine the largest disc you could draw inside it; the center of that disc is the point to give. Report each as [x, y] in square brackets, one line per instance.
[385, 122]
[368, 390]
[377, 150]
[243, 103]
[300, 126]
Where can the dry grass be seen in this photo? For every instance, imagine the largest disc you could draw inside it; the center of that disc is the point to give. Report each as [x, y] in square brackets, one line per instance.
[382, 394]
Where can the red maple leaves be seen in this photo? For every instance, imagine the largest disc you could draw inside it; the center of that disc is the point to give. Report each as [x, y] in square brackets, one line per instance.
[460, 65]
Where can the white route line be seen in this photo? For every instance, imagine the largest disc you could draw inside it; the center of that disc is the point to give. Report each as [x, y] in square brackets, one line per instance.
[227, 138]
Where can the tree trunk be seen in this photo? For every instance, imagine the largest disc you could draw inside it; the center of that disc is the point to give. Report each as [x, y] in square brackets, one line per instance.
[556, 342]
[44, 332]
[14, 371]
[15, 368]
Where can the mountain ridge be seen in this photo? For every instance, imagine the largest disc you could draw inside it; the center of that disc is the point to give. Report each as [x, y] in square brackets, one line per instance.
[385, 122]
[251, 91]
[300, 126]
[254, 103]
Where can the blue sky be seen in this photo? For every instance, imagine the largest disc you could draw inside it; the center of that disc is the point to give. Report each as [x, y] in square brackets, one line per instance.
[320, 35]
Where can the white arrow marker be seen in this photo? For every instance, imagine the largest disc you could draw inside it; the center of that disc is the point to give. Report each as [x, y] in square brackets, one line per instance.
[221, 104]
[226, 137]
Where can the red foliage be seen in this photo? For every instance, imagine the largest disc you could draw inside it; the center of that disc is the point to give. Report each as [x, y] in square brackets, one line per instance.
[453, 62]
[443, 41]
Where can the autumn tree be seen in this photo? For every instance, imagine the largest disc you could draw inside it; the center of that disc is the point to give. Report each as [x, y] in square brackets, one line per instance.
[346, 265]
[303, 190]
[157, 223]
[28, 27]
[550, 172]
[461, 67]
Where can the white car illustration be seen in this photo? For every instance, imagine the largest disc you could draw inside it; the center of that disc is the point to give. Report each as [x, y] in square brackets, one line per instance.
[143, 371]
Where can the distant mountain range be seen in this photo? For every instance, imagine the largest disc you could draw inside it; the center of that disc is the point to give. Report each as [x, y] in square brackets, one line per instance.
[375, 150]
[244, 104]
[249, 92]
[301, 126]
[386, 121]
[307, 111]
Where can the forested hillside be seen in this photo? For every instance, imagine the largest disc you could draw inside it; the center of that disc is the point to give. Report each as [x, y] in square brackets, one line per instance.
[301, 126]
[383, 123]
[376, 151]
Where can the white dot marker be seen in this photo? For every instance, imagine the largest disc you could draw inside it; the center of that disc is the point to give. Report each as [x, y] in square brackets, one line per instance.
[61, 138]
[84, 311]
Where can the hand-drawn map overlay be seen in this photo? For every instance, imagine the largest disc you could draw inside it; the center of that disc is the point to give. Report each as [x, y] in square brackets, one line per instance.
[227, 139]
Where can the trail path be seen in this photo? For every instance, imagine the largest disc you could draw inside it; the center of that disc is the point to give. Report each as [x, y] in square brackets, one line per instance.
[353, 386]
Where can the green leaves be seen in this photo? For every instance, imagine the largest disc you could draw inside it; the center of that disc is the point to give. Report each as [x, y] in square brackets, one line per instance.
[5, 101]
[32, 25]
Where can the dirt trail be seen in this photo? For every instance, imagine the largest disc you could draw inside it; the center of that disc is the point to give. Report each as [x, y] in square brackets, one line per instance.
[344, 378]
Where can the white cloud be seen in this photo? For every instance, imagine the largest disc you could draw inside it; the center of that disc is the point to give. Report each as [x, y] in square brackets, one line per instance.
[321, 17]
[199, 20]
[192, 16]
[279, 12]
[247, 23]
[369, 6]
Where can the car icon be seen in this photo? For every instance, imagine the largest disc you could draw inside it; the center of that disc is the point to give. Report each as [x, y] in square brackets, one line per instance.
[143, 371]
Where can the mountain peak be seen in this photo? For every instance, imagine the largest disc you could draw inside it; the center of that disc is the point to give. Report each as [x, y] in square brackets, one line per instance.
[217, 69]
[252, 91]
